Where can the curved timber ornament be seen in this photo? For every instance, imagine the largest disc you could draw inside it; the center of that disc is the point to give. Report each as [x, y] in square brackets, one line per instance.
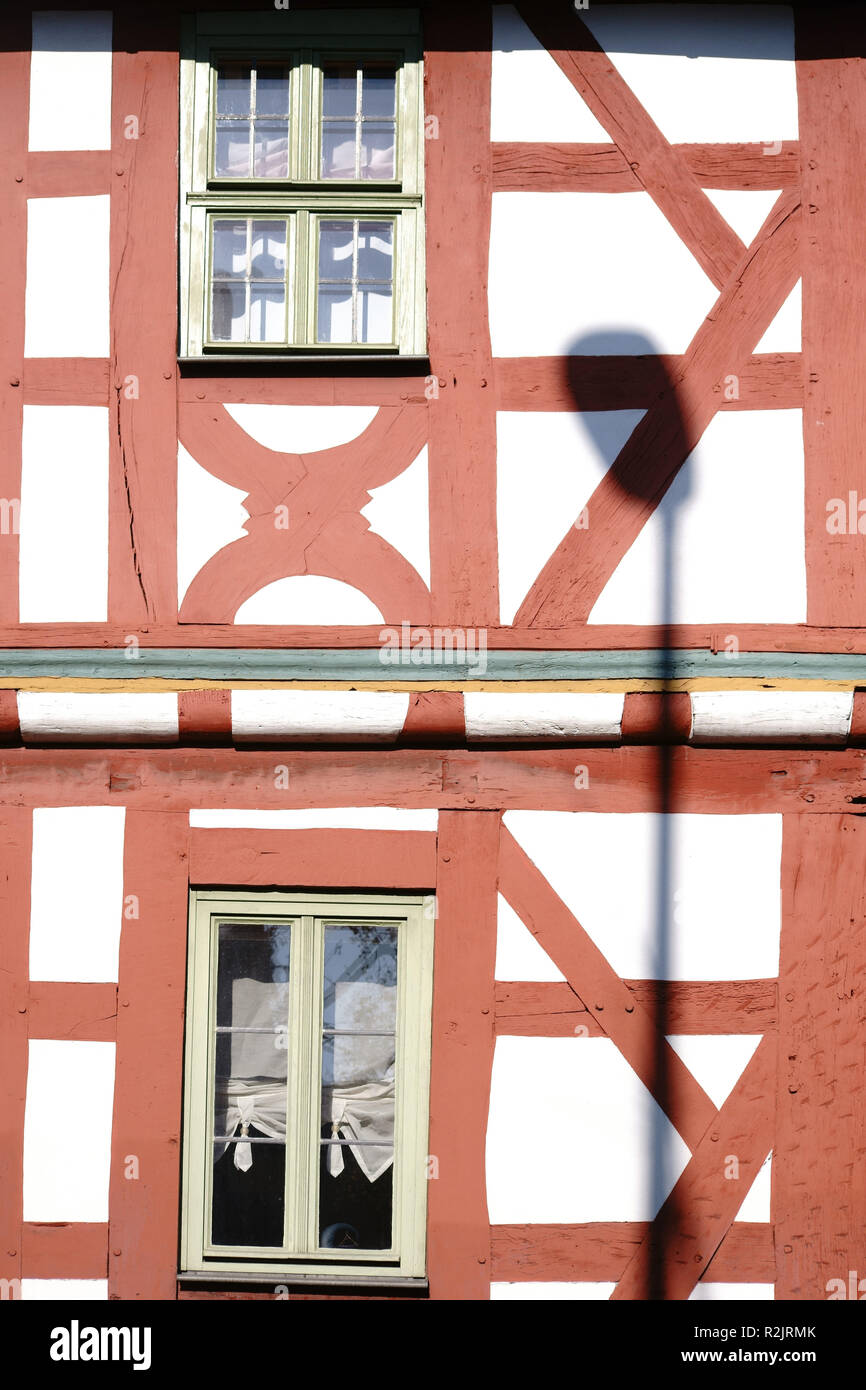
[305, 513]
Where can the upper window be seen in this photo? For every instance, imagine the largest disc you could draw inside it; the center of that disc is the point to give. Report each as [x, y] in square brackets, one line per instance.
[307, 1062]
[301, 185]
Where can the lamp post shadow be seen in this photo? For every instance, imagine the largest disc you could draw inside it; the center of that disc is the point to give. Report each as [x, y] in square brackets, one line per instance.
[654, 388]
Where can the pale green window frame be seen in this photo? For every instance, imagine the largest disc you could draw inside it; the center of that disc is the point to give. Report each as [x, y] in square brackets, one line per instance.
[368, 37]
[412, 915]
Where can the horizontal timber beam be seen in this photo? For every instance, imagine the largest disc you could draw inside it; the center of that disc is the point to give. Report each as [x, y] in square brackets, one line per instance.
[550, 167]
[600, 1250]
[551, 1009]
[624, 779]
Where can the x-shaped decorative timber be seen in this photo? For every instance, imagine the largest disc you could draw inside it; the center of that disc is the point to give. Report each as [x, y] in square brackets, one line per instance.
[323, 493]
[754, 283]
[698, 1213]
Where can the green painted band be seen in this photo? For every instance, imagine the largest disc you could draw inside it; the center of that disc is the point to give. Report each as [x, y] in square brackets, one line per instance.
[465, 661]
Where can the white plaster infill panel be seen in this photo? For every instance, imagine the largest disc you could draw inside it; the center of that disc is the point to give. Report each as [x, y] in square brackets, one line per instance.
[780, 716]
[76, 895]
[309, 600]
[683, 62]
[70, 80]
[124, 717]
[326, 818]
[210, 515]
[548, 464]
[592, 274]
[519, 956]
[302, 429]
[317, 716]
[66, 296]
[574, 1136]
[63, 548]
[727, 542]
[530, 96]
[399, 512]
[677, 897]
[503, 717]
[67, 1130]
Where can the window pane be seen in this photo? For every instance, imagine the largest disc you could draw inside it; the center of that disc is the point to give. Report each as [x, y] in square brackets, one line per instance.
[339, 140]
[271, 153]
[379, 93]
[339, 92]
[336, 241]
[272, 89]
[233, 89]
[228, 314]
[268, 258]
[358, 1057]
[232, 156]
[375, 252]
[377, 151]
[374, 312]
[250, 1085]
[335, 316]
[267, 315]
[229, 248]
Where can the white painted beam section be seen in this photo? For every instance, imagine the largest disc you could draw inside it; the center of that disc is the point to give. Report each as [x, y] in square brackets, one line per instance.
[721, 1293]
[548, 1292]
[63, 551]
[70, 80]
[63, 1290]
[328, 818]
[783, 716]
[314, 716]
[524, 715]
[123, 717]
[67, 1130]
[76, 895]
[66, 296]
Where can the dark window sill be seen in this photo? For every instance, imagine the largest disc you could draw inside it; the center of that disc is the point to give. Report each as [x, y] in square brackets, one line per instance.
[372, 364]
[216, 1280]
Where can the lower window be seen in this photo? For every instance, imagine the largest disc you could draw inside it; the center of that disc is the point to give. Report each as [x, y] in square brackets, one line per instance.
[306, 1086]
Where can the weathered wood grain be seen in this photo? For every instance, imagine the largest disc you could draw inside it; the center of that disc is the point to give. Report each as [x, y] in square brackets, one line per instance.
[599, 1251]
[616, 1009]
[143, 1209]
[660, 169]
[458, 1258]
[819, 1177]
[462, 419]
[386, 859]
[15, 854]
[696, 1216]
[553, 1010]
[548, 167]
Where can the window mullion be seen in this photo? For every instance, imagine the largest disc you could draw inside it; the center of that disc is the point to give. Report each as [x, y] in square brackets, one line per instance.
[303, 1067]
[304, 232]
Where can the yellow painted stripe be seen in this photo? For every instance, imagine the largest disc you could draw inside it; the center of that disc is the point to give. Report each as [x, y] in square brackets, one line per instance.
[63, 684]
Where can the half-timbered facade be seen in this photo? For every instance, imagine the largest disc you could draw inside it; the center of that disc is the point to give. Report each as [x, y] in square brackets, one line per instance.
[432, 623]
